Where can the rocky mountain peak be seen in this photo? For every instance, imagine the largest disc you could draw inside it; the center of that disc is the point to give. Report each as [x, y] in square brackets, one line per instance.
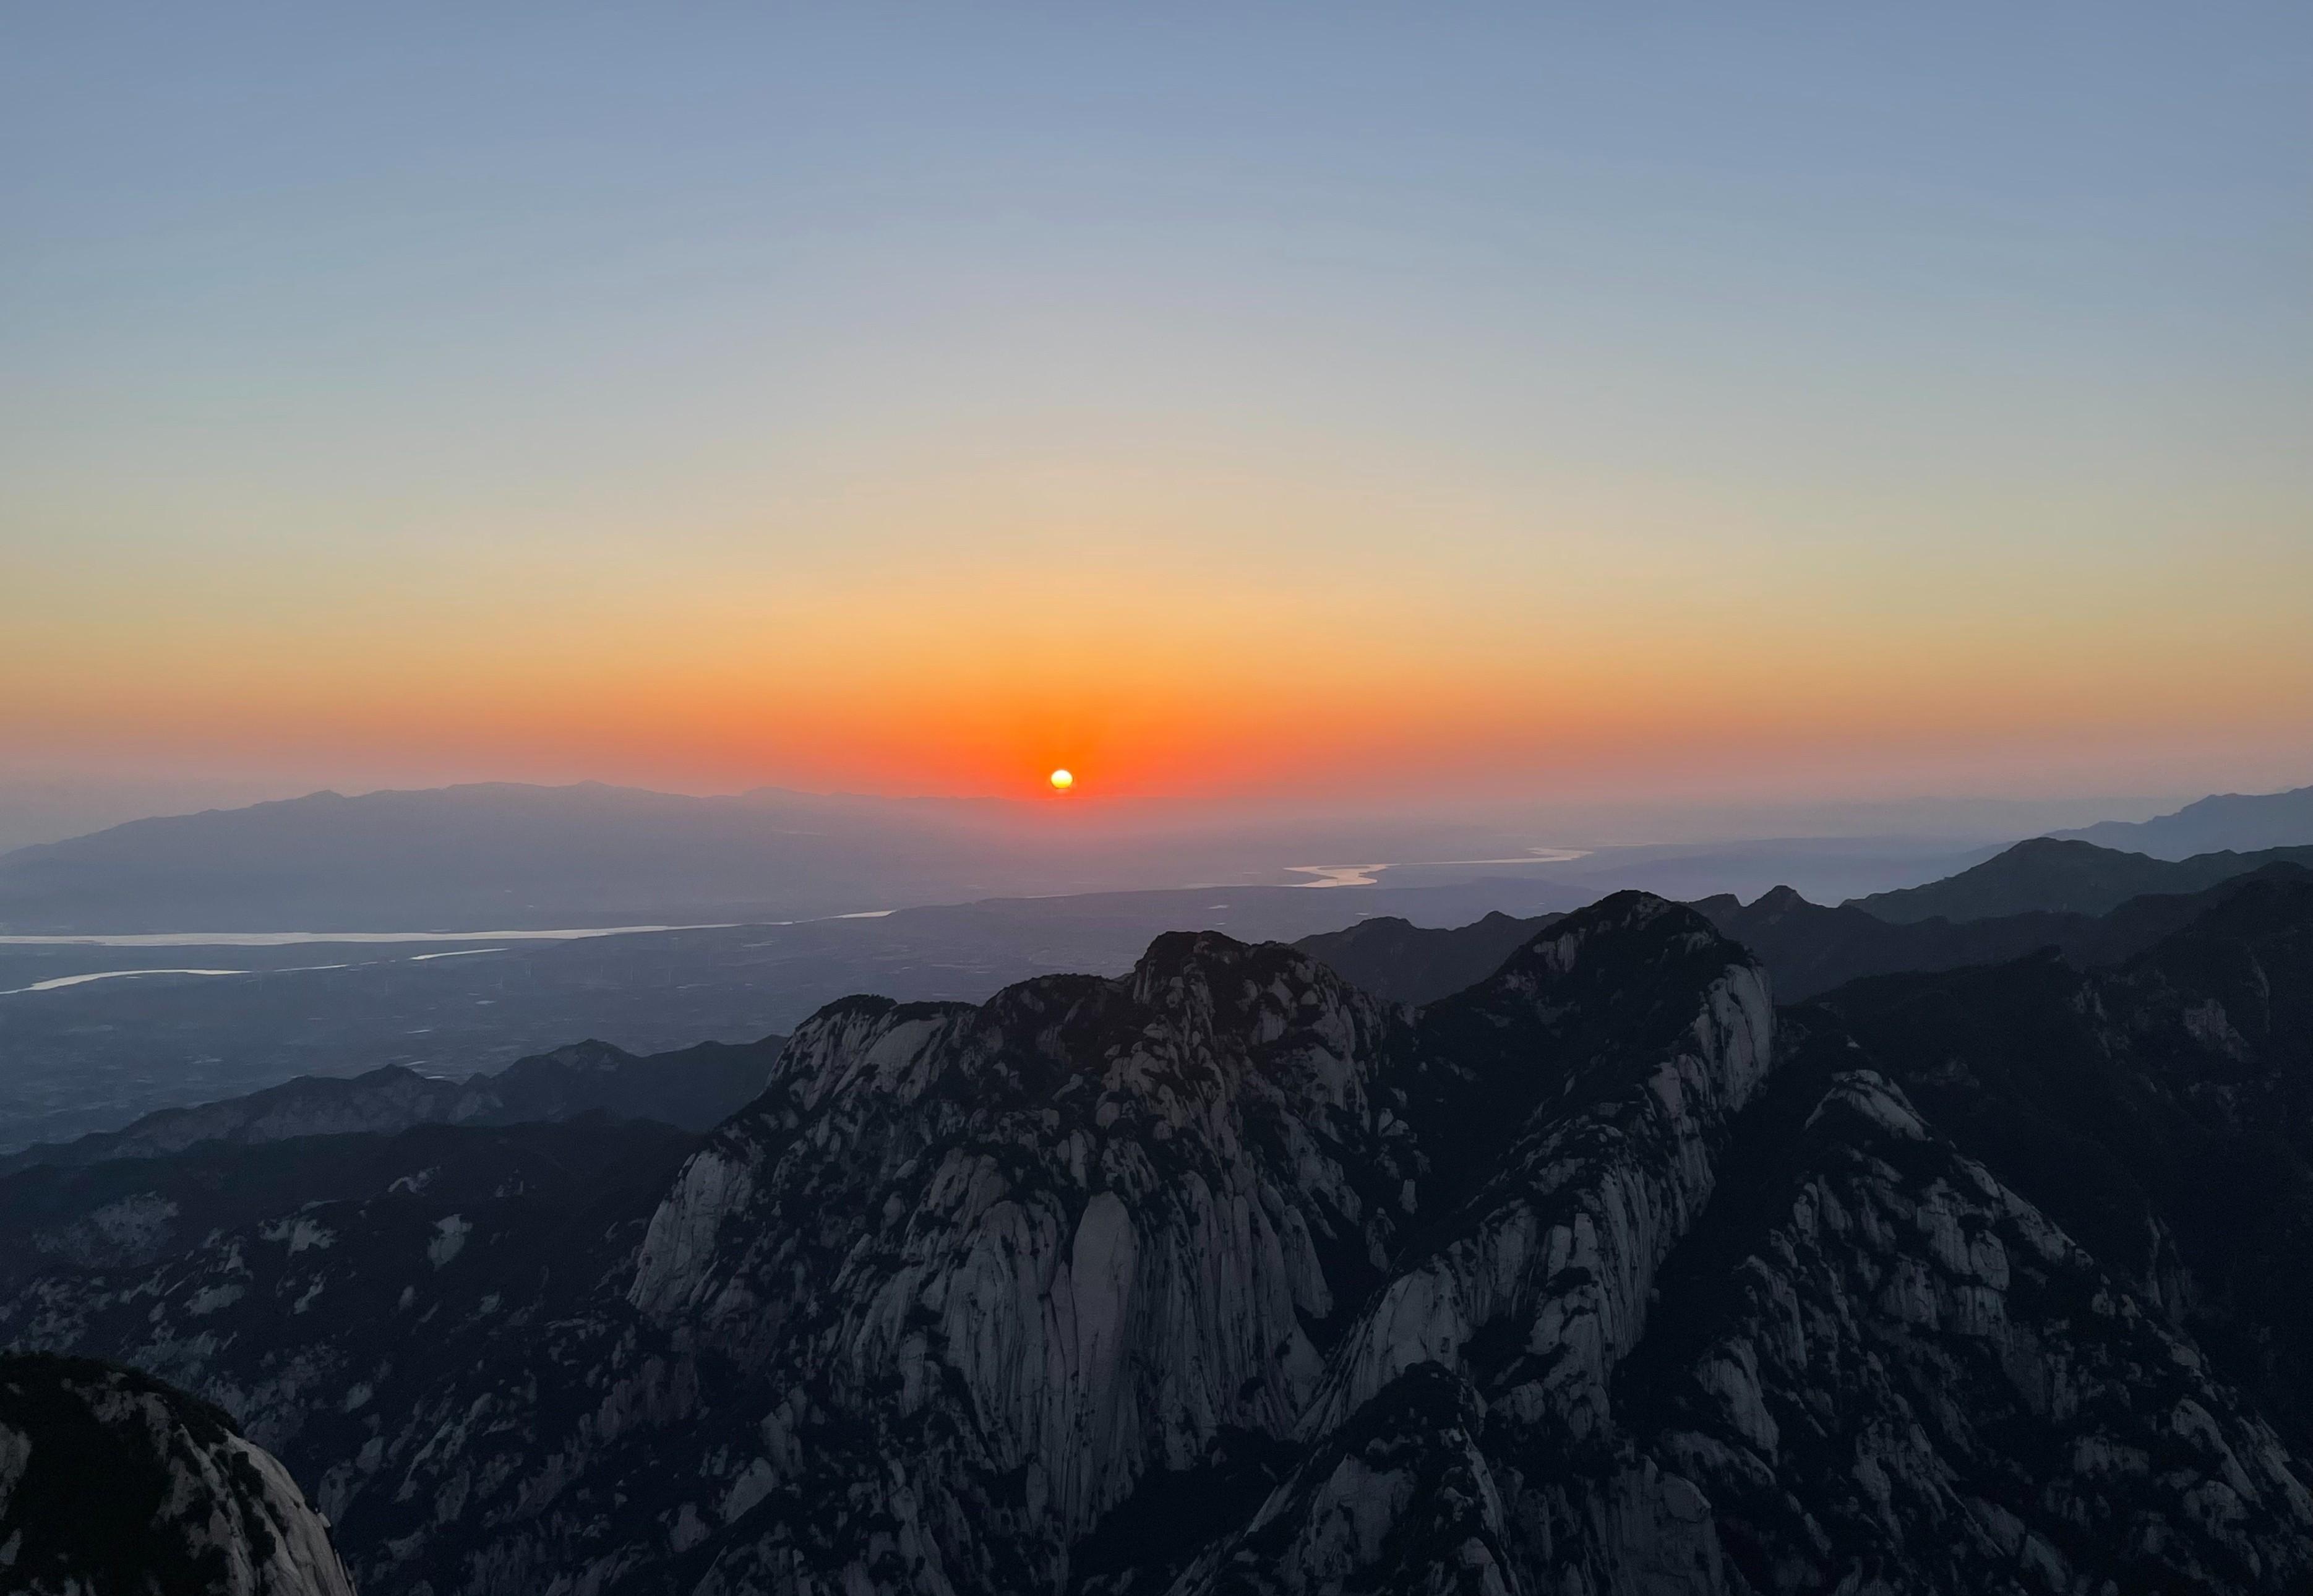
[590, 1057]
[1780, 900]
[1621, 940]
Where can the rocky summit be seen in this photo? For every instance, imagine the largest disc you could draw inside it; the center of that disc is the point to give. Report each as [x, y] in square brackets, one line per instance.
[1600, 1275]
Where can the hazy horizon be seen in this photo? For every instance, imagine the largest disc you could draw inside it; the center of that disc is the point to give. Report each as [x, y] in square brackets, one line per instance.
[52, 806]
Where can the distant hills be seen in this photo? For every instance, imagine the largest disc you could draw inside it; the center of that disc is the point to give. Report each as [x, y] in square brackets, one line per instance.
[1810, 948]
[510, 856]
[503, 856]
[1393, 957]
[2238, 822]
[2047, 875]
[693, 1089]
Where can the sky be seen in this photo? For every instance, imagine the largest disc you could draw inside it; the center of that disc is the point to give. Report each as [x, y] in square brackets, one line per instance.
[1751, 404]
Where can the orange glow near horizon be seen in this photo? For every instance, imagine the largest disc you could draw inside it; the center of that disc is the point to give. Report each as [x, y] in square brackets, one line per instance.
[1230, 633]
[1188, 728]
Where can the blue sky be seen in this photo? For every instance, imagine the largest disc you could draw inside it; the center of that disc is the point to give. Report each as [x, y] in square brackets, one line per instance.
[1977, 339]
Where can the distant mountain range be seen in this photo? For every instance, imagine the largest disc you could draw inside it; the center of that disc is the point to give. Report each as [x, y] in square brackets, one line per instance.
[693, 1089]
[507, 856]
[1806, 948]
[2237, 822]
[1395, 958]
[93, 1057]
[1810, 948]
[2046, 875]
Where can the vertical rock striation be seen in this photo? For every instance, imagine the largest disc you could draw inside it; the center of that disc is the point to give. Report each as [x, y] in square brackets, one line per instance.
[112, 1483]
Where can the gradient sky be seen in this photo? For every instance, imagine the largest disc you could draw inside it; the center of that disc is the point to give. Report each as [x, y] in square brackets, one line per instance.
[1213, 399]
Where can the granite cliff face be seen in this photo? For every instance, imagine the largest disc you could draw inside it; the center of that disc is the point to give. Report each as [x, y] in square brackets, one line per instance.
[1577, 1106]
[1224, 1274]
[111, 1484]
[1899, 1366]
[2160, 1111]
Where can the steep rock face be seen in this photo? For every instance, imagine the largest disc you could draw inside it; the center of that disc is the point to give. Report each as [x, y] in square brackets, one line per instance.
[1607, 1056]
[2160, 1111]
[1874, 1367]
[1888, 1361]
[1466, 1412]
[971, 1291]
[1109, 1218]
[112, 1483]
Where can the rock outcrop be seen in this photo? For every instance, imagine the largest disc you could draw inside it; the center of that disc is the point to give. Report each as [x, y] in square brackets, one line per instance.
[112, 1483]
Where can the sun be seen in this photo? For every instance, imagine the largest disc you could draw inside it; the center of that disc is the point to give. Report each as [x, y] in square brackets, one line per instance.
[1062, 781]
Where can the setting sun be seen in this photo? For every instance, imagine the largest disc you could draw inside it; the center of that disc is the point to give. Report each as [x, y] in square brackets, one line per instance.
[1062, 781]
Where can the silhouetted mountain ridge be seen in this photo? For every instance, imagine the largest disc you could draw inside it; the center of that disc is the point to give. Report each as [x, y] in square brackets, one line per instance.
[2226, 820]
[510, 855]
[1809, 948]
[691, 1088]
[1393, 957]
[502, 855]
[2046, 875]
